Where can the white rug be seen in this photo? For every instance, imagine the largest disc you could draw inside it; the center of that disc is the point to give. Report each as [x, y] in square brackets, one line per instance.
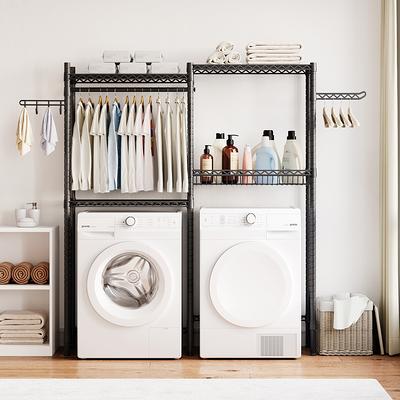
[190, 389]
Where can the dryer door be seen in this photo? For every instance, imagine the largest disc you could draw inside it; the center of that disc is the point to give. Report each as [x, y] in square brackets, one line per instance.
[129, 284]
[251, 285]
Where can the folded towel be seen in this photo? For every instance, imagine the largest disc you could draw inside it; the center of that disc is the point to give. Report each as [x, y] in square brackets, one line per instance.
[275, 48]
[267, 61]
[102, 68]
[233, 58]
[133, 68]
[117, 56]
[5, 272]
[22, 333]
[225, 47]
[49, 137]
[16, 318]
[21, 273]
[24, 133]
[347, 309]
[22, 341]
[40, 273]
[165, 68]
[217, 57]
[148, 56]
[274, 57]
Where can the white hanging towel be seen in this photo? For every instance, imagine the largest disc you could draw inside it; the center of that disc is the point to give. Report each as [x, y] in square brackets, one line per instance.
[148, 167]
[131, 149]
[24, 133]
[347, 309]
[123, 131]
[176, 148]
[184, 155]
[76, 146]
[49, 137]
[112, 148]
[159, 146]
[86, 149]
[139, 148]
[167, 146]
[94, 131]
[103, 160]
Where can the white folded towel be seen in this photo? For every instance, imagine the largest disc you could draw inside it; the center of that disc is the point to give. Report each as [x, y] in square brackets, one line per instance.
[165, 68]
[117, 56]
[217, 57]
[133, 68]
[274, 57]
[347, 309]
[24, 333]
[22, 341]
[16, 318]
[24, 133]
[102, 68]
[275, 48]
[148, 56]
[225, 47]
[233, 58]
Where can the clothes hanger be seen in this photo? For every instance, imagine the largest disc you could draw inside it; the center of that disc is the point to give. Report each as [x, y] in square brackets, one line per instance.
[336, 118]
[355, 123]
[344, 118]
[100, 100]
[328, 123]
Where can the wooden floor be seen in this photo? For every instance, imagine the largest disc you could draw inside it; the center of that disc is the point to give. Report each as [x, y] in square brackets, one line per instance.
[385, 369]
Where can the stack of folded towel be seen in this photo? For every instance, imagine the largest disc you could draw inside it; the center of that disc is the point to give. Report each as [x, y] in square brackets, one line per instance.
[22, 327]
[264, 53]
[224, 54]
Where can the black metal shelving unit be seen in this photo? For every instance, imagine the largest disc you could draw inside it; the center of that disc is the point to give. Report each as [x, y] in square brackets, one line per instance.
[305, 177]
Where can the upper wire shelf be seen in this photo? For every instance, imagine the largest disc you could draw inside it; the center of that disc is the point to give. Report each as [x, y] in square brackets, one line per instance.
[236, 69]
[341, 95]
[127, 78]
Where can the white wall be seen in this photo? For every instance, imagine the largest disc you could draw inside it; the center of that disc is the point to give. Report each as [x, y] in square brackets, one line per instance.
[341, 36]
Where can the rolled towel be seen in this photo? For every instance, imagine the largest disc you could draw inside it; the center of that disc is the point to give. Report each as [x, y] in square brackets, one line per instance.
[21, 273]
[217, 57]
[233, 58]
[102, 68]
[5, 272]
[22, 319]
[40, 273]
[225, 47]
[274, 48]
[133, 68]
[117, 56]
[165, 68]
[148, 56]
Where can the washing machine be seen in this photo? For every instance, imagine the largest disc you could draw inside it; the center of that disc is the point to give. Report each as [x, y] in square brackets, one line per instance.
[129, 284]
[250, 283]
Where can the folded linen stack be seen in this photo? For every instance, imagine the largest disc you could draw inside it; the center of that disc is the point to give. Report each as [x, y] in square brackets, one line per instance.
[22, 327]
[224, 54]
[264, 53]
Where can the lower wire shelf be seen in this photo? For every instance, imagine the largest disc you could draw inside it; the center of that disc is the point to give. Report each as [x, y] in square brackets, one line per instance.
[251, 177]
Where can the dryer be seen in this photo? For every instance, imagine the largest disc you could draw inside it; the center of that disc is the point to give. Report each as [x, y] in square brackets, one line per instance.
[129, 285]
[250, 283]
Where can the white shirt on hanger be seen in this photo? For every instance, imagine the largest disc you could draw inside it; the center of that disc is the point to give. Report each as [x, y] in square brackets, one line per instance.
[167, 146]
[103, 161]
[123, 131]
[184, 154]
[139, 148]
[159, 146]
[94, 131]
[86, 149]
[148, 167]
[76, 146]
[176, 147]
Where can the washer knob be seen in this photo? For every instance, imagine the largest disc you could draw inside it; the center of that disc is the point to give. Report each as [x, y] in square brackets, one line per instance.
[130, 221]
[251, 218]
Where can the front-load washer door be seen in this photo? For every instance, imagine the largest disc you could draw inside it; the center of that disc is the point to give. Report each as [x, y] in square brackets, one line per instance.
[251, 285]
[129, 284]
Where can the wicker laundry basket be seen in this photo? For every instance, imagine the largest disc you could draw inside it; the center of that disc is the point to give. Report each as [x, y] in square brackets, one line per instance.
[357, 340]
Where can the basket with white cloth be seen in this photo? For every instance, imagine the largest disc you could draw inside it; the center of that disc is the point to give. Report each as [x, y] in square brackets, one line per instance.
[345, 325]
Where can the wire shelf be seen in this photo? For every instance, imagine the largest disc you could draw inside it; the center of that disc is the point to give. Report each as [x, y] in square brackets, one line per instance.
[129, 203]
[127, 78]
[341, 95]
[236, 69]
[251, 177]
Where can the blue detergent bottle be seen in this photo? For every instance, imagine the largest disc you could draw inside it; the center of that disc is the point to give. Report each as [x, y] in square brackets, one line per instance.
[266, 159]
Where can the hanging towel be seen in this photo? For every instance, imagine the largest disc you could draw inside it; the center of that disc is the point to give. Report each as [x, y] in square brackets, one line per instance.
[24, 133]
[159, 146]
[103, 158]
[86, 149]
[347, 309]
[275, 48]
[148, 167]
[176, 148]
[114, 149]
[225, 47]
[123, 132]
[131, 149]
[139, 148]
[184, 156]
[94, 131]
[167, 146]
[49, 136]
[76, 146]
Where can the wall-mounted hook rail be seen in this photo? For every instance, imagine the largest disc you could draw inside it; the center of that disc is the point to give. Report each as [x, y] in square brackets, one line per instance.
[42, 103]
[341, 95]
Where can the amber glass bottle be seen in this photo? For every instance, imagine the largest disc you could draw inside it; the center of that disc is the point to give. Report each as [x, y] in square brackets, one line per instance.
[230, 161]
[206, 164]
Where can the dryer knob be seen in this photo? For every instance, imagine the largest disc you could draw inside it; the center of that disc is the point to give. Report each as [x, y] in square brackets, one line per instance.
[251, 218]
[130, 221]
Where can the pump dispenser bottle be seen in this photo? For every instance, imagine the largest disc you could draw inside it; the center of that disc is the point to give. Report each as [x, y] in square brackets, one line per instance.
[216, 152]
[230, 160]
[206, 164]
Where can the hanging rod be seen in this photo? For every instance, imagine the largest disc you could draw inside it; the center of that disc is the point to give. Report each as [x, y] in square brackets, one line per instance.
[42, 103]
[341, 95]
[131, 89]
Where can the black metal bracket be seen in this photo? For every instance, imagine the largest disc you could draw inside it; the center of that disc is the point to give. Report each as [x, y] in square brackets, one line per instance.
[341, 95]
[42, 103]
